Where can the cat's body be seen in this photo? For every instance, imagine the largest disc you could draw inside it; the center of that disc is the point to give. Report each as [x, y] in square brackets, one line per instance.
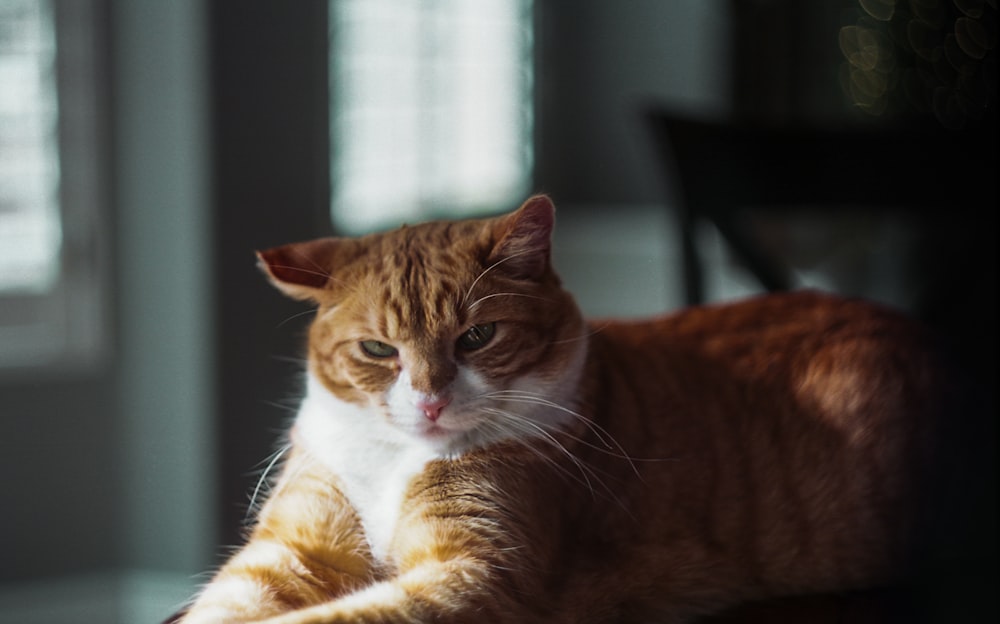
[470, 450]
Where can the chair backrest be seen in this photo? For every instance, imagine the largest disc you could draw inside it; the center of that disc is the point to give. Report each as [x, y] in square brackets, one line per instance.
[723, 165]
[723, 168]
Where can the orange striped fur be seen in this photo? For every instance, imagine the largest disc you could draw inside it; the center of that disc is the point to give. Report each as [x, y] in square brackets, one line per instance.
[471, 450]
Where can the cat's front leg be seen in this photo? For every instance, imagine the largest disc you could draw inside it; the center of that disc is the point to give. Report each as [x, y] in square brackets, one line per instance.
[307, 548]
[265, 579]
[458, 557]
[445, 592]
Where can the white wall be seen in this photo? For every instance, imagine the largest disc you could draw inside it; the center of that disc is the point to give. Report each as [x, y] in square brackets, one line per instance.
[164, 220]
[600, 64]
[111, 516]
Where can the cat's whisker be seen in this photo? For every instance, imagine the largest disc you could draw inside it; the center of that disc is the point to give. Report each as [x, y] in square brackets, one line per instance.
[613, 447]
[535, 430]
[515, 396]
[584, 336]
[265, 463]
[502, 294]
[299, 269]
[295, 316]
[318, 270]
[289, 406]
[599, 432]
[521, 426]
[590, 475]
[468, 293]
[291, 360]
[611, 451]
[277, 455]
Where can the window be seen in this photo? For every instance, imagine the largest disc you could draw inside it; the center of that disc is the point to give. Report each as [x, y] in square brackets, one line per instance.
[431, 109]
[29, 153]
[51, 286]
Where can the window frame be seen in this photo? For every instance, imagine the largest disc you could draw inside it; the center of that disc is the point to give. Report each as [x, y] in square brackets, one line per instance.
[433, 132]
[66, 330]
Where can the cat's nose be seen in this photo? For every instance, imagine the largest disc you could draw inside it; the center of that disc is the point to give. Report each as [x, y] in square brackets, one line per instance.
[431, 406]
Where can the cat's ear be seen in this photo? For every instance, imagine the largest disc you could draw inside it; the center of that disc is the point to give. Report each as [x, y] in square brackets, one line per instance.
[300, 270]
[524, 238]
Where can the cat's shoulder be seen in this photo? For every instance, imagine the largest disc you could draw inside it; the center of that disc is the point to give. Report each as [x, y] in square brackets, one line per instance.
[776, 320]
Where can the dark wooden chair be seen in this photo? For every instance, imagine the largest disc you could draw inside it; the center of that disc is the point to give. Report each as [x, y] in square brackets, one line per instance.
[723, 168]
[944, 181]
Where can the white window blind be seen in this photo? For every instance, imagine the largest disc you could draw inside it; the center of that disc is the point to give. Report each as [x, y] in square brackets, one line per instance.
[53, 223]
[431, 109]
[30, 233]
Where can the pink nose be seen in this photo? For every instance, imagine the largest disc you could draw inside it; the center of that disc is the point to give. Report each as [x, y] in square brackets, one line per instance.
[432, 406]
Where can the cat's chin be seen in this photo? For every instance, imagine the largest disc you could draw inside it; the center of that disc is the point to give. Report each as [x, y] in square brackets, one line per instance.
[446, 440]
[432, 432]
[441, 438]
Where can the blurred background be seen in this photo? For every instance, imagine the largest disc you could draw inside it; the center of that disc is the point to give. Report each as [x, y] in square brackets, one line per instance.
[698, 150]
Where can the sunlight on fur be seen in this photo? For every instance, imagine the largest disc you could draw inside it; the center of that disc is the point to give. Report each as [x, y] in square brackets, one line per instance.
[470, 449]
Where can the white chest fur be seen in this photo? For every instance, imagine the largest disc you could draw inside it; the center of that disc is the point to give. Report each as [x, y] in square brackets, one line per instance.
[374, 460]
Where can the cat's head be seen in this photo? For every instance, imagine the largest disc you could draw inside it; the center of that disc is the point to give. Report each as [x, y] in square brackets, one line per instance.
[456, 333]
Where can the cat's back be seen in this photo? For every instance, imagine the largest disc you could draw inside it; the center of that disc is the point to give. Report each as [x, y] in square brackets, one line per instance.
[805, 413]
[808, 342]
[789, 362]
[785, 324]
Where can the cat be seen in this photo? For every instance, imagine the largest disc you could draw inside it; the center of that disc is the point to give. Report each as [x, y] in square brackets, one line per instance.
[470, 449]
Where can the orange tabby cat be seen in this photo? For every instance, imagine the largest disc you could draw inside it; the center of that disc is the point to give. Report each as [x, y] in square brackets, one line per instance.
[470, 450]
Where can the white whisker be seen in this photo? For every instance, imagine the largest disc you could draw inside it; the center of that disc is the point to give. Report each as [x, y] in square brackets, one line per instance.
[295, 316]
[612, 446]
[503, 294]
[263, 478]
[319, 272]
[584, 336]
[535, 430]
[468, 293]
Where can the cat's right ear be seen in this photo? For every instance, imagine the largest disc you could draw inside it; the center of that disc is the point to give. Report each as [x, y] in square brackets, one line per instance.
[300, 270]
[525, 238]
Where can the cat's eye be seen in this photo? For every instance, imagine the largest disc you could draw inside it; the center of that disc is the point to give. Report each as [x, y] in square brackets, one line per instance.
[477, 336]
[378, 349]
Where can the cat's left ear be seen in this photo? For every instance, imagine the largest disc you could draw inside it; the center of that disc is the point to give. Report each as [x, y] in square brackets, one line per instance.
[524, 240]
[300, 270]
